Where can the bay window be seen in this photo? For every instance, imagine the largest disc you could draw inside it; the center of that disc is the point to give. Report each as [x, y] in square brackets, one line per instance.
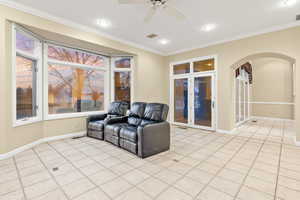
[51, 81]
[26, 68]
[76, 82]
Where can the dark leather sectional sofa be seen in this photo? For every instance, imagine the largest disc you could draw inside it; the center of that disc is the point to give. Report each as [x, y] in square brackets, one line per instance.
[144, 131]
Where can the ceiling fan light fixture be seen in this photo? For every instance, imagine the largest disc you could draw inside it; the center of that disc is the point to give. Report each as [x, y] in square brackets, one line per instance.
[288, 3]
[208, 27]
[164, 41]
[104, 23]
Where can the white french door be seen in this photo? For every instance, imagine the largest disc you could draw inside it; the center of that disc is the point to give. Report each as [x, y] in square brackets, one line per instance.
[194, 100]
[242, 98]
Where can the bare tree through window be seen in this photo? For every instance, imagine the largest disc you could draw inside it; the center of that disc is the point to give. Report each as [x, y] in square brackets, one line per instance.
[75, 89]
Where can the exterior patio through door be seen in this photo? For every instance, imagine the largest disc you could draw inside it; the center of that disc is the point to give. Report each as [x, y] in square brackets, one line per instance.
[193, 95]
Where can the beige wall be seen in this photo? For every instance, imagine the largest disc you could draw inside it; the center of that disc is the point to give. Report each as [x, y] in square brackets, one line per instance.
[230, 54]
[272, 82]
[149, 80]
[272, 111]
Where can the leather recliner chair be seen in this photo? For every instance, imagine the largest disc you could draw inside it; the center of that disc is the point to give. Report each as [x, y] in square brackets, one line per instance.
[95, 123]
[144, 132]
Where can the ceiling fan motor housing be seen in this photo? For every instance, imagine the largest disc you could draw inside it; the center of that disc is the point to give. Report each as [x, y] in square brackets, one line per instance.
[158, 2]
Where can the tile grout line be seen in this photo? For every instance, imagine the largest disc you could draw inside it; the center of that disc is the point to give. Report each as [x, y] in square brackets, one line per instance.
[207, 185]
[266, 141]
[78, 169]
[19, 177]
[194, 167]
[251, 167]
[52, 176]
[117, 175]
[135, 168]
[279, 162]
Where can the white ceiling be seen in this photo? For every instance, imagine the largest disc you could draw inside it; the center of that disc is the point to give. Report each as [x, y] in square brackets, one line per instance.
[234, 18]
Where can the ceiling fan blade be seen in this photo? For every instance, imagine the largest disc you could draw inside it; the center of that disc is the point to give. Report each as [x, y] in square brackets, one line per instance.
[150, 14]
[132, 1]
[174, 12]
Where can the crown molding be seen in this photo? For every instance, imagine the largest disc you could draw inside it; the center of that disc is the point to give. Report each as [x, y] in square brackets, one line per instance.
[239, 37]
[69, 23]
[33, 11]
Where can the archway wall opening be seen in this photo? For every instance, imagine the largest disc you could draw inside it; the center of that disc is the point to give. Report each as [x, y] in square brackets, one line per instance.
[270, 94]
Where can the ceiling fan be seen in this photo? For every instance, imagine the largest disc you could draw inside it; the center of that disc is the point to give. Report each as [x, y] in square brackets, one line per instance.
[154, 6]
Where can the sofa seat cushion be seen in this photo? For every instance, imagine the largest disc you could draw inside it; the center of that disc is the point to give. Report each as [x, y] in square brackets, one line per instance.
[129, 133]
[114, 129]
[96, 125]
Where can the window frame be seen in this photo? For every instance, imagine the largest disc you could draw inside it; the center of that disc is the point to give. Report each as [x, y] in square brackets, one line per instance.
[115, 69]
[38, 77]
[105, 69]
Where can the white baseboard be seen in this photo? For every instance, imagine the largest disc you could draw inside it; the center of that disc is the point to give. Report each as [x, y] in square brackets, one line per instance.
[231, 132]
[271, 118]
[297, 143]
[40, 141]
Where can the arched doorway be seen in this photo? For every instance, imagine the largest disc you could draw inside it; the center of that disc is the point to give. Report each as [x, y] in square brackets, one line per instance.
[247, 104]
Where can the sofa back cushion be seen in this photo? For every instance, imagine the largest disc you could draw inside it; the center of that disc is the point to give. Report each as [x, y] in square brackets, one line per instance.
[156, 112]
[136, 113]
[118, 108]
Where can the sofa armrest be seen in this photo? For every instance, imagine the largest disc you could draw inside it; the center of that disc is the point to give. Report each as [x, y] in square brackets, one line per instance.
[153, 138]
[113, 120]
[94, 118]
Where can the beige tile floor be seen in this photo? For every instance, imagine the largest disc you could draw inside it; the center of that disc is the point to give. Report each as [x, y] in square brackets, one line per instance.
[259, 161]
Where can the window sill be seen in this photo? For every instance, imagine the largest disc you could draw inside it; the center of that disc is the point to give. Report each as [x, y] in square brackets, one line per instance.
[72, 115]
[25, 122]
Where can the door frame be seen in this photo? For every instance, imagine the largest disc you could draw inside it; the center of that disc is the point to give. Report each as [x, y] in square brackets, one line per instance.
[191, 75]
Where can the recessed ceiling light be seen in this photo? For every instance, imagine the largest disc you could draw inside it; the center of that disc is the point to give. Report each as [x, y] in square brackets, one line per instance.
[104, 23]
[208, 27]
[164, 41]
[288, 3]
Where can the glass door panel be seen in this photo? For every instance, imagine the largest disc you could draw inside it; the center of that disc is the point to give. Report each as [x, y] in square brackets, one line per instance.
[181, 100]
[242, 99]
[203, 101]
[246, 102]
[237, 100]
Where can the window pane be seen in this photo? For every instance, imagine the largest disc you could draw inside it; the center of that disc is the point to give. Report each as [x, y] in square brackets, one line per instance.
[237, 100]
[25, 43]
[74, 90]
[25, 88]
[123, 63]
[181, 68]
[204, 65]
[181, 100]
[74, 56]
[202, 101]
[122, 86]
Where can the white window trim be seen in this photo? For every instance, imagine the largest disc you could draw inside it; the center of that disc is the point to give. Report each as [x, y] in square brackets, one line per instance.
[115, 69]
[38, 59]
[48, 116]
